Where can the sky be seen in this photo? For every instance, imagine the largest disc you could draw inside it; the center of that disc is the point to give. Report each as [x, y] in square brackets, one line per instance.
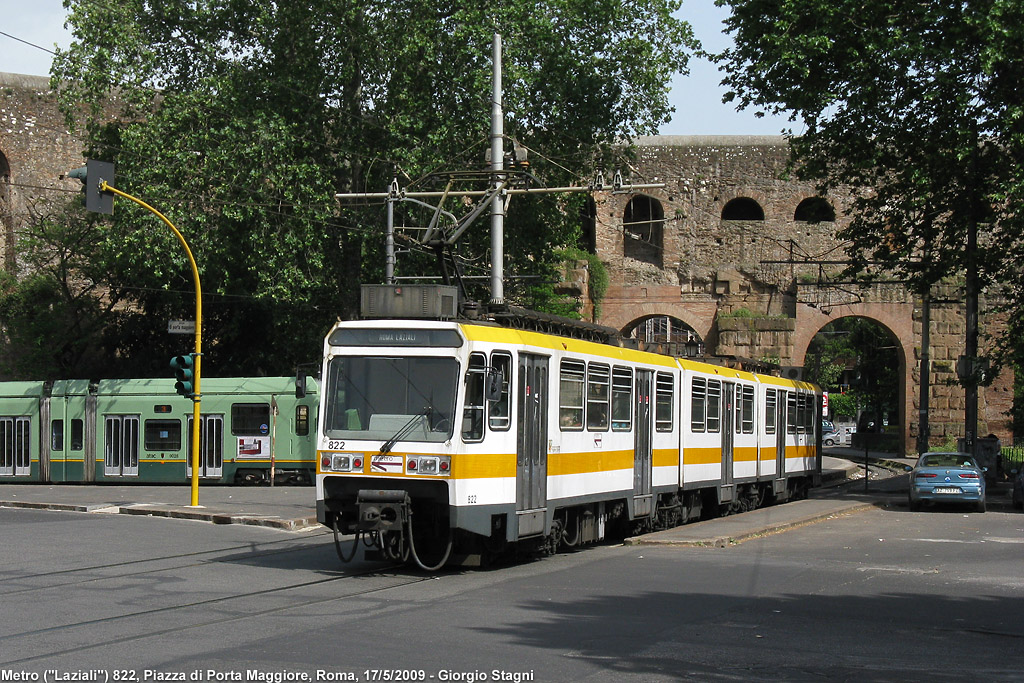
[696, 97]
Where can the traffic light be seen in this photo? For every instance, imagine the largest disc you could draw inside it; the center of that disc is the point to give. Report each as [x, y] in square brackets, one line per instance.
[92, 175]
[184, 374]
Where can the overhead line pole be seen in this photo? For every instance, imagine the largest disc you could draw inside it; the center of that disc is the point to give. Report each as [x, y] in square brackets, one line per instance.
[497, 166]
[497, 193]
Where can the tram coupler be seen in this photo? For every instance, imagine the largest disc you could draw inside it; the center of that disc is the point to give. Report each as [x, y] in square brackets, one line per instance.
[382, 510]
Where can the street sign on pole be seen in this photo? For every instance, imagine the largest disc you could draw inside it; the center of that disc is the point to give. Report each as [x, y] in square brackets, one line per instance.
[181, 326]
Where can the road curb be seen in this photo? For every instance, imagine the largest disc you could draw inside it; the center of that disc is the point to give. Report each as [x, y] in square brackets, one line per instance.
[213, 517]
[61, 507]
[153, 510]
[767, 529]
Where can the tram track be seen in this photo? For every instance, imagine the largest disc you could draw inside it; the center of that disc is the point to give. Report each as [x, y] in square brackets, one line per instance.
[391, 580]
[149, 560]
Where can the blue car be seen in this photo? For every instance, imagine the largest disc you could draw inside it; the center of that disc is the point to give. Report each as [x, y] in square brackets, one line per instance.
[947, 478]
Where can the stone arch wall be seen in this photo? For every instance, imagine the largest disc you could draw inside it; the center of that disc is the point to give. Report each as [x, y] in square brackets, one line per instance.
[714, 267]
[39, 149]
[897, 318]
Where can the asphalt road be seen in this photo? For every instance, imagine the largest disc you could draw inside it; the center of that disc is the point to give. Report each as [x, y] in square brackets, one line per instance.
[880, 595]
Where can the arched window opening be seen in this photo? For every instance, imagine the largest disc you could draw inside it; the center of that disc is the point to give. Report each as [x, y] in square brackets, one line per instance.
[666, 334]
[642, 227]
[742, 209]
[814, 210]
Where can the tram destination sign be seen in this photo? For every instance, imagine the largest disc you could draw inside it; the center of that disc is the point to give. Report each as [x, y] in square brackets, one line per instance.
[375, 336]
[181, 326]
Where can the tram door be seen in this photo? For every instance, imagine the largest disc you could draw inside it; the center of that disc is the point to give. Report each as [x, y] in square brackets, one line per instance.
[120, 445]
[532, 445]
[642, 448]
[728, 491]
[211, 447]
[15, 442]
[781, 429]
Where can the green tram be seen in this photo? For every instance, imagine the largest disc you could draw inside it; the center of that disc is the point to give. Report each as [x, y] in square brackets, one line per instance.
[252, 430]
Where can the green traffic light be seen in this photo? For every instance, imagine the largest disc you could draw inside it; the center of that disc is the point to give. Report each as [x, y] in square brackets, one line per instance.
[184, 374]
[92, 175]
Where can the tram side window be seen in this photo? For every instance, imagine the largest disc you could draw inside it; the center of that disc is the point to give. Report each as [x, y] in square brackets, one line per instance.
[714, 405]
[499, 418]
[698, 404]
[598, 376]
[250, 419]
[77, 435]
[56, 435]
[302, 420]
[801, 413]
[570, 395]
[746, 421]
[770, 406]
[622, 399]
[791, 412]
[473, 413]
[163, 435]
[664, 397]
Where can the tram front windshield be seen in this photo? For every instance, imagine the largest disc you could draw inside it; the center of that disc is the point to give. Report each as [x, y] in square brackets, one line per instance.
[375, 397]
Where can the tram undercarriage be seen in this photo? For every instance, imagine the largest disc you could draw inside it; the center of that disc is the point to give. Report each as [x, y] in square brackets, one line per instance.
[398, 525]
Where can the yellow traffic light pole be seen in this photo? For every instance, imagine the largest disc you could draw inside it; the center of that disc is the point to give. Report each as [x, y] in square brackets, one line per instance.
[106, 187]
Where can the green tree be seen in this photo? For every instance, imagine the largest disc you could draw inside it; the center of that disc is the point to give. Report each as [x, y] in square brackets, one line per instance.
[861, 353]
[240, 120]
[914, 106]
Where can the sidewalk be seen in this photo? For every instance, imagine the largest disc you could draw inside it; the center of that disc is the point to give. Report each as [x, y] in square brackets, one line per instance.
[291, 508]
[280, 507]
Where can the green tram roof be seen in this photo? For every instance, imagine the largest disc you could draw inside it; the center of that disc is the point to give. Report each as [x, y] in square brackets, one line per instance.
[208, 386]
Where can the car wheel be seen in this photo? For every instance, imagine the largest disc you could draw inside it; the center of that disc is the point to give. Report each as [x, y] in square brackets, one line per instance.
[830, 442]
[915, 505]
[1018, 504]
[981, 506]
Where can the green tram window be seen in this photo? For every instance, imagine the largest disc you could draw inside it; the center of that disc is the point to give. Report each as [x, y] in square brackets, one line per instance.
[302, 420]
[77, 435]
[163, 435]
[250, 419]
[56, 435]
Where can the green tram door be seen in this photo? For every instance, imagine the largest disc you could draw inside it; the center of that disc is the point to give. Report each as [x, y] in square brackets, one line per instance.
[211, 447]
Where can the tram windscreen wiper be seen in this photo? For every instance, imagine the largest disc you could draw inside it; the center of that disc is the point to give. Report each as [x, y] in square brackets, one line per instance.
[403, 431]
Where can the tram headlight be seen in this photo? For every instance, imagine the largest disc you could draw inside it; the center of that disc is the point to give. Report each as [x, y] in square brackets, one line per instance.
[429, 464]
[341, 462]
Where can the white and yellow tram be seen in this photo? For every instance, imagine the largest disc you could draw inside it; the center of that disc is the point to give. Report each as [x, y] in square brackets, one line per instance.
[442, 440]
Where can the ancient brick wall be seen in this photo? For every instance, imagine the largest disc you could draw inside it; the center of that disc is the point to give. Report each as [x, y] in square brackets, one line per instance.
[710, 267]
[36, 149]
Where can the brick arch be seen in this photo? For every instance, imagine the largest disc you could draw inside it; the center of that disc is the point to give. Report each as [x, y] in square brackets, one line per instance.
[622, 317]
[759, 203]
[897, 318]
[811, 204]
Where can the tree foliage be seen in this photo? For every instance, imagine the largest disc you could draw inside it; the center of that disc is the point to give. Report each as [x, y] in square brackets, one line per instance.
[240, 119]
[856, 358]
[914, 106]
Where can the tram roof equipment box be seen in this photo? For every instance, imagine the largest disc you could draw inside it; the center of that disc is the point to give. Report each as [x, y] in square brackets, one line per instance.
[409, 301]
